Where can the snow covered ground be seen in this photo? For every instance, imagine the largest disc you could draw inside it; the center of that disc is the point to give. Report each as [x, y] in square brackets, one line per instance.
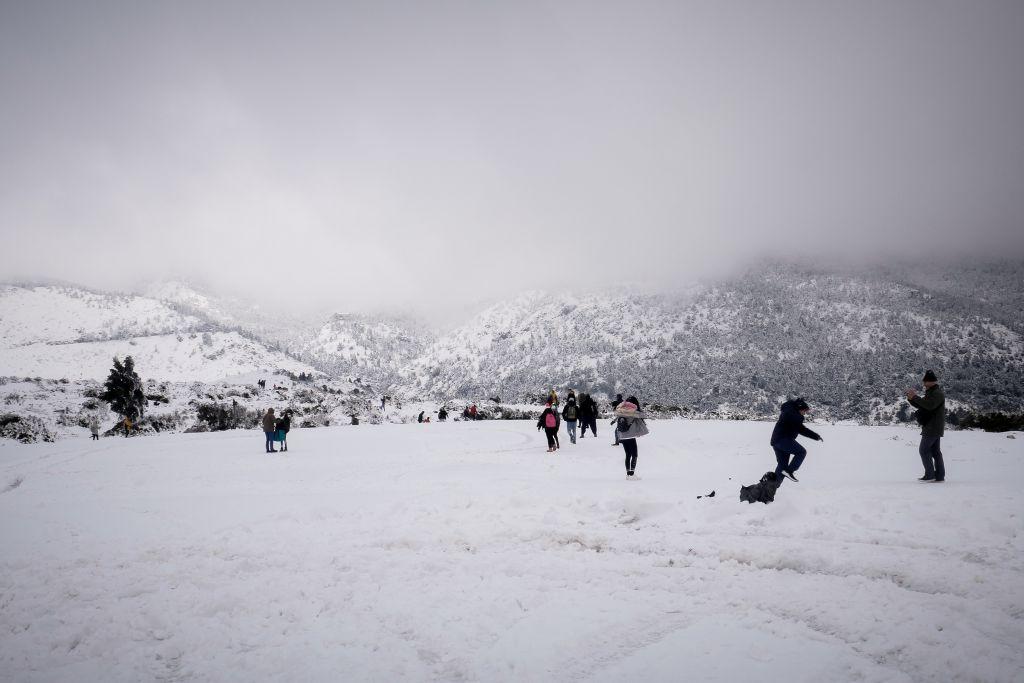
[463, 551]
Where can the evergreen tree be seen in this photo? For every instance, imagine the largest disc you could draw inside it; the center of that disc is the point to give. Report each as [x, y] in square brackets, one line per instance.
[123, 390]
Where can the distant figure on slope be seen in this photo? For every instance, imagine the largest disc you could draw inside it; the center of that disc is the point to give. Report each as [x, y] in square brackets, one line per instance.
[442, 415]
[931, 415]
[284, 425]
[789, 425]
[570, 414]
[94, 427]
[615, 405]
[269, 427]
[630, 423]
[472, 412]
[419, 418]
[549, 423]
[383, 402]
[127, 424]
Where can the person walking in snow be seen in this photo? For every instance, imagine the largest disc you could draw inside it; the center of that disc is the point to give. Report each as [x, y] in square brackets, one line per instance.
[570, 414]
[549, 423]
[630, 424]
[442, 415]
[127, 424]
[94, 427]
[588, 415]
[931, 415]
[269, 427]
[419, 418]
[788, 427]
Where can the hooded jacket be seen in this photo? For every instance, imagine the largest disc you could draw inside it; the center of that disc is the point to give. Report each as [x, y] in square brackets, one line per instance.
[791, 424]
[268, 422]
[635, 421]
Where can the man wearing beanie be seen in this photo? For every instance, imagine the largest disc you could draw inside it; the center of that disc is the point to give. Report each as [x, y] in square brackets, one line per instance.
[931, 415]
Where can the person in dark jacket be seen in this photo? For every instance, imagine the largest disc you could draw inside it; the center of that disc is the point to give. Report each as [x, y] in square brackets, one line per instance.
[268, 429]
[284, 425]
[442, 414]
[571, 414]
[932, 417]
[789, 426]
[549, 422]
[419, 418]
[615, 404]
[588, 415]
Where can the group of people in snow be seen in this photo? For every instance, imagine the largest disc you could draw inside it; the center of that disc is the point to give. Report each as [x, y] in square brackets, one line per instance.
[630, 423]
[276, 429]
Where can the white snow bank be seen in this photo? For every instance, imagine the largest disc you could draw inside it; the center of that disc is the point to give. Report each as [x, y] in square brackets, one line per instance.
[463, 551]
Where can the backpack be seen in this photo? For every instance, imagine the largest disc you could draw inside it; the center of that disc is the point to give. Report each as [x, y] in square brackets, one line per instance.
[550, 422]
[570, 411]
[763, 491]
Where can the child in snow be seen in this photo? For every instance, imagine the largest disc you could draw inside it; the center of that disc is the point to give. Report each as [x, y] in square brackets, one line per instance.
[94, 427]
[630, 423]
[549, 423]
[791, 424]
[284, 425]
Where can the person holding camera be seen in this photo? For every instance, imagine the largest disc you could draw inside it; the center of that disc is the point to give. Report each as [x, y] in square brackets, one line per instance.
[931, 415]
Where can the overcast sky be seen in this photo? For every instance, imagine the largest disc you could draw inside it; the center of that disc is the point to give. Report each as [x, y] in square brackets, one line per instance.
[363, 154]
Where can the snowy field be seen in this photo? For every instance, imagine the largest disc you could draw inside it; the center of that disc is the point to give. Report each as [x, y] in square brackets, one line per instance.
[465, 552]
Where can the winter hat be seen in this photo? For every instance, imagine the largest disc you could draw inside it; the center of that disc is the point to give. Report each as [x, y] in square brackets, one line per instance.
[801, 404]
[929, 376]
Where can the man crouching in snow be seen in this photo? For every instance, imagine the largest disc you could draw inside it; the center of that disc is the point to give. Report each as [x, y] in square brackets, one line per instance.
[791, 424]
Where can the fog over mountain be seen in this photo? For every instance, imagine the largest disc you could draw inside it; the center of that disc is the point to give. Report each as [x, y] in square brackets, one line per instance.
[426, 156]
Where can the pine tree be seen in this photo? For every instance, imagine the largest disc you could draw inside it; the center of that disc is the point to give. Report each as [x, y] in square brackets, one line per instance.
[123, 390]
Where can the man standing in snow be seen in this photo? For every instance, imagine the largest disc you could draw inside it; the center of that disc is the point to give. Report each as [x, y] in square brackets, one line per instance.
[789, 426]
[931, 415]
[269, 427]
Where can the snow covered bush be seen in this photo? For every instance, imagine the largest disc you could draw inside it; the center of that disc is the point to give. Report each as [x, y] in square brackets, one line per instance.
[24, 428]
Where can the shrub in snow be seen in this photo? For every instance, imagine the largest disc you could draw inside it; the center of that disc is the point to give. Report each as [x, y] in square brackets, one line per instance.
[24, 428]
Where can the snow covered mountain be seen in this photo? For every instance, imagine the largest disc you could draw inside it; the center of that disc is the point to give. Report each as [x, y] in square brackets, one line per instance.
[848, 340]
[377, 348]
[72, 333]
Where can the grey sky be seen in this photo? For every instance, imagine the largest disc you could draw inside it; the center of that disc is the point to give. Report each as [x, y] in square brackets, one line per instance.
[387, 153]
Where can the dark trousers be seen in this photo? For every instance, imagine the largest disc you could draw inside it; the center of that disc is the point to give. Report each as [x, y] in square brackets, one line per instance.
[552, 434]
[588, 422]
[931, 457]
[629, 445]
[785, 448]
[270, 441]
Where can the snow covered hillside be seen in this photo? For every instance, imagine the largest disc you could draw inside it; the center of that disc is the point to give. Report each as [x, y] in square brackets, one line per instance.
[69, 333]
[851, 341]
[463, 551]
[373, 347]
[848, 340]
